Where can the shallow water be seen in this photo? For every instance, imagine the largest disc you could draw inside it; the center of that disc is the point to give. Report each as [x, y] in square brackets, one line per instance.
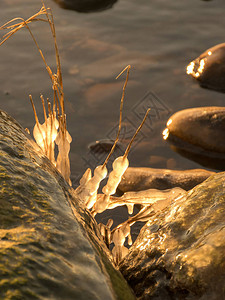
[158, 38]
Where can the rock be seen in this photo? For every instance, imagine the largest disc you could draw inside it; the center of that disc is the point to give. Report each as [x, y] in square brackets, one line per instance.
[50, 247]
[180, 252]
[198, 133]
[209, 68]
[137, 179]
[105, 146]
[86, 6]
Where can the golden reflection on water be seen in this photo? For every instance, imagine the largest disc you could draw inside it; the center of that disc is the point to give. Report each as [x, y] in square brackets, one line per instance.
[190, 70]
[165, 133]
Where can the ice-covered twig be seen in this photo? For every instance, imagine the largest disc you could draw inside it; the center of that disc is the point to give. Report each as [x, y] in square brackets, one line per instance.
[45, 134]
[63, 141]
[105, 231]
[120, 165]
[152, 200]
[146, 197]
[87, 190]
[121, 111]
[118, 238]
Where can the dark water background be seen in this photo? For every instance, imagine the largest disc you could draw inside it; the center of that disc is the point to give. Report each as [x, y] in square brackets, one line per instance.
[158, 38]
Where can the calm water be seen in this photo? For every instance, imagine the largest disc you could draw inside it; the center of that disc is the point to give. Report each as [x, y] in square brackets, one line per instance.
[157, 38]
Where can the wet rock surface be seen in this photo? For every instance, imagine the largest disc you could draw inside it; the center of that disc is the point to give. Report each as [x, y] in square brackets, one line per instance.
[198, 133]
[137, 179]
[50, 248]
[180, 252]
[85, 6]
[209, 68]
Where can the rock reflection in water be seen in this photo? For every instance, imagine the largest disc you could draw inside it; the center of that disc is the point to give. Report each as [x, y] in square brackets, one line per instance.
[85, 6]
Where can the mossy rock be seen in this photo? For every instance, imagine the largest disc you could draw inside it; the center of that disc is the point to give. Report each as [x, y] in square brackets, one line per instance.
[50, 247]
[180, 252]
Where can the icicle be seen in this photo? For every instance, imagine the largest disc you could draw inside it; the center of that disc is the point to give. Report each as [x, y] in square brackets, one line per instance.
[102, 204]
[86, 177]
[109, 223]
[120, 165]
[118, 238]
[87, 191]
[130, 208]
[154, 197]
[91, 200]
[45, 134]
[100, 173]
[125, 229]
[102, 229]
[39, 135]
[63, 141]
[130, 242]
[106, 232]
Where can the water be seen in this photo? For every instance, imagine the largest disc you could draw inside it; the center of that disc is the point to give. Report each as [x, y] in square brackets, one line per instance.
[157, 38]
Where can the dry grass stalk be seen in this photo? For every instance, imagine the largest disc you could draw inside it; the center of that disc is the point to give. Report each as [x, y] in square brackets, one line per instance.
[63, 164]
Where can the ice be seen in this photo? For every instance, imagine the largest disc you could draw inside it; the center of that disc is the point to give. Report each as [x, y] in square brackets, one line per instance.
[106, 232]
[87, 191]
[45, 135]
[119, 165]
[151, 196]
[39, 135]
[91, 200]
[118, 238]
[130, 242]
[86, 177]
[100, 173]
[130, 208]
[102, 204]
[63, 141]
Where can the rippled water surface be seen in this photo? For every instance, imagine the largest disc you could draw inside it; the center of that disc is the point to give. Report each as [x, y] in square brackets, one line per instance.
[158, 38]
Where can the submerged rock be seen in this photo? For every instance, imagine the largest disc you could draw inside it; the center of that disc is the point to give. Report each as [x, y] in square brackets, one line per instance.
[137, 179]
[198, 133]
[50, 248]
[105, 146]
[180, 252]
[86, 6]
[209, 68]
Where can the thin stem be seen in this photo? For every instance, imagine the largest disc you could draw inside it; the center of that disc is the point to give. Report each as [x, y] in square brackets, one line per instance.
[121, 110]
[44, 110]
[58, 63]
[37, 122]
[134, 136]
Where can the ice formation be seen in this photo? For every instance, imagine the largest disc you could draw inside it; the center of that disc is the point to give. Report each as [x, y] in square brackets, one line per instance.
[118, 238]
[87, 190]
[54, 131]
[152, 200]
[119, 165]
[63, 141]
[45, 134]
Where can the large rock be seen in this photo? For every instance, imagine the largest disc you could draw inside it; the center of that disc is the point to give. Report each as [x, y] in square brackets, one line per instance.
[86, 6]
[180, 252]
[209, 68]
[50, 248]
[138, 179]
[198, 133]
